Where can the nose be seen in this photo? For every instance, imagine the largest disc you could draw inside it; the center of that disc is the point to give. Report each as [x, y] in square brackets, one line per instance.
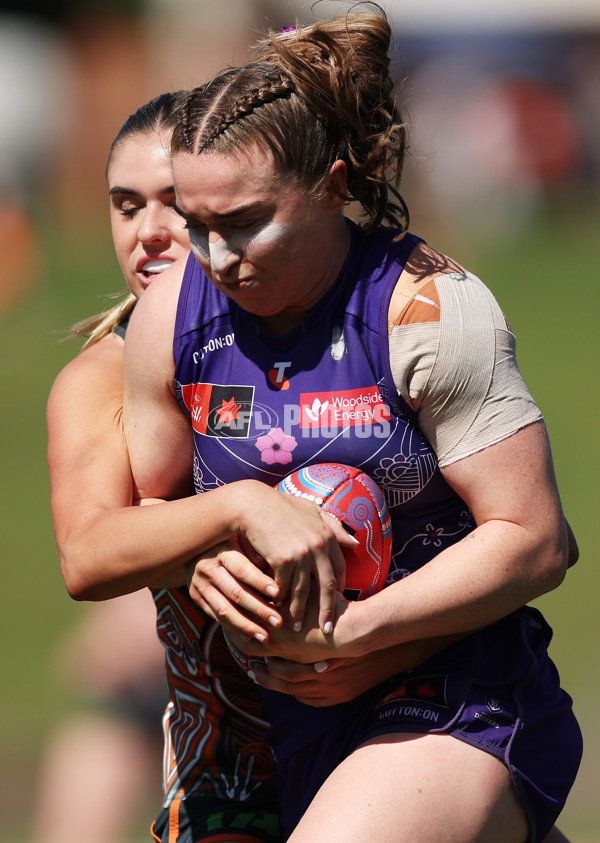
[153, 225]
[223, 256]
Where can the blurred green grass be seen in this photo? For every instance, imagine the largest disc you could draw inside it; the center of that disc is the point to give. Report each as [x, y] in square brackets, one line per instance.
[547, 284]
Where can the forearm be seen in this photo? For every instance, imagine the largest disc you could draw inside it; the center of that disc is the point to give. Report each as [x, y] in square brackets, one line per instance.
[484, 577]
[112, 551]
[518, 552]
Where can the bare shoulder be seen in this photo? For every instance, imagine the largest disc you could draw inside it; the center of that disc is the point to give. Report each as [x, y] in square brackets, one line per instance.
[88, 393]
[97, 367]
[157, 432]
[149, 339]
[148, 358]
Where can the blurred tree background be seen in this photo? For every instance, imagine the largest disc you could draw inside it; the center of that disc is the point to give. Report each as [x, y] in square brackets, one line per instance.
[503, 173]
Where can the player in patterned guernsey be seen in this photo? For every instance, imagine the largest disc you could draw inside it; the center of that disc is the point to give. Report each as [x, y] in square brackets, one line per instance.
[300, 337]
[218, 774]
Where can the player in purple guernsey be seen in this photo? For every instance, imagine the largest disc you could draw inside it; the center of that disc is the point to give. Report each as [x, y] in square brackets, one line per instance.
[302, 337]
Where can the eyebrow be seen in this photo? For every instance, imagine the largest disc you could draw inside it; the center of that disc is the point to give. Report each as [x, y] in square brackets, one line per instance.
[236, 212]
[128, 191]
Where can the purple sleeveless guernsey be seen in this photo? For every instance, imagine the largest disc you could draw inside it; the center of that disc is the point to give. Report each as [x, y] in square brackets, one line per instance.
[262, 406]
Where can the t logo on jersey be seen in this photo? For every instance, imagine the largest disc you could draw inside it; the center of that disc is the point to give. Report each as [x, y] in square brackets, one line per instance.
[278, 377]
[222, 411]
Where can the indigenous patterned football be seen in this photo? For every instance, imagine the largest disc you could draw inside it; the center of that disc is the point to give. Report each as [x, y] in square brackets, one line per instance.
[356, 500]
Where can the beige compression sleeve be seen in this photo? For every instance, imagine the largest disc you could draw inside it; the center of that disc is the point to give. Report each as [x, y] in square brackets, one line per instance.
[454, 361]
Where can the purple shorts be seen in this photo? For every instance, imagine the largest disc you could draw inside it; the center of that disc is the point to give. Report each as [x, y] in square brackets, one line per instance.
[496, 689]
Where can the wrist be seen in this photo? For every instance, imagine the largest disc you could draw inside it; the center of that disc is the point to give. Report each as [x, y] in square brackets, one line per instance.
[354, 632]
[367, 626]
[242, 499]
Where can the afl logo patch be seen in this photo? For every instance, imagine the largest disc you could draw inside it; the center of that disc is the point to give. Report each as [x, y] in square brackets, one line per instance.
[221, 411]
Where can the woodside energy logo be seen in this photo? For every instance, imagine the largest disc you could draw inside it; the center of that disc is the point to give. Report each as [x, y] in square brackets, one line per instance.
[351, 407]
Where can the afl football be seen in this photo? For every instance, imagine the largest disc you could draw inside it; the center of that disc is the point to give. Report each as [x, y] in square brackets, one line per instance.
[351, 496]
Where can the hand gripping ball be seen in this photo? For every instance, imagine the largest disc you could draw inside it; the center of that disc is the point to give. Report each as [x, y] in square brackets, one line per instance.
[356, 500]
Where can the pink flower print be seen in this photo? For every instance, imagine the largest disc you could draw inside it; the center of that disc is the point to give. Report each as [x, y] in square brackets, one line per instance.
[276, 447]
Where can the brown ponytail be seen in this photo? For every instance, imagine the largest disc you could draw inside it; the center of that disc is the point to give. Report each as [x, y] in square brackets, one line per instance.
[311, 96]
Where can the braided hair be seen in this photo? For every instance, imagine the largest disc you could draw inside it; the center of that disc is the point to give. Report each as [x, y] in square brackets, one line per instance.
[311, 96]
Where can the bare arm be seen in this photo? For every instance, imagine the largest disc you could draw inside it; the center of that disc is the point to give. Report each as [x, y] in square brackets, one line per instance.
[106, 546]
[158, 435]
[517, 552]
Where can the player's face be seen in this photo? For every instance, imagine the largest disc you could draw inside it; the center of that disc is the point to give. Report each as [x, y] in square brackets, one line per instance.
[262, 239]
[149, 235]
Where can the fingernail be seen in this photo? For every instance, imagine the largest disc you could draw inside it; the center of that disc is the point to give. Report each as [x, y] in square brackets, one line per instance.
[354, 539]
[272, 590]
[328, 628]
[260, 636]
[321, 667]
[273, 620]
[297, 626]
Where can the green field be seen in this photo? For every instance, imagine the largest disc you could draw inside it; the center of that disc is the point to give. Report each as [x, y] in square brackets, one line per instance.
[547, 283]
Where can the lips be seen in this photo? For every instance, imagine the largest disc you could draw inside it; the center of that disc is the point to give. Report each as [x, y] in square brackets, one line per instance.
[237, 284]
[150, 268]
[154, 266]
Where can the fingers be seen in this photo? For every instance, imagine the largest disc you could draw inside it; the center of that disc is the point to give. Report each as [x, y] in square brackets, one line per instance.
[344, 538]
[331, 580]
[299, 592]
[227, 613]
[309, 683]
[233, 602]
[300, 543]
[244, 597]
[245, 566]
[327, 566]
[295, 673]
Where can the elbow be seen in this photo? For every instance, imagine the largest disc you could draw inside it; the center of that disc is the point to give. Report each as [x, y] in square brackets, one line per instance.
[573, 548]
[553, 555]
[75, 588]
[555, 574]
[77, 585]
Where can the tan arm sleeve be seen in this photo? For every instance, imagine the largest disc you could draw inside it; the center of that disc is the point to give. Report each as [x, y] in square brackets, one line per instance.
[453, 359]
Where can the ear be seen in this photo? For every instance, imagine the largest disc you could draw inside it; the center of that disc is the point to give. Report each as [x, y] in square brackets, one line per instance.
[336, 186]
